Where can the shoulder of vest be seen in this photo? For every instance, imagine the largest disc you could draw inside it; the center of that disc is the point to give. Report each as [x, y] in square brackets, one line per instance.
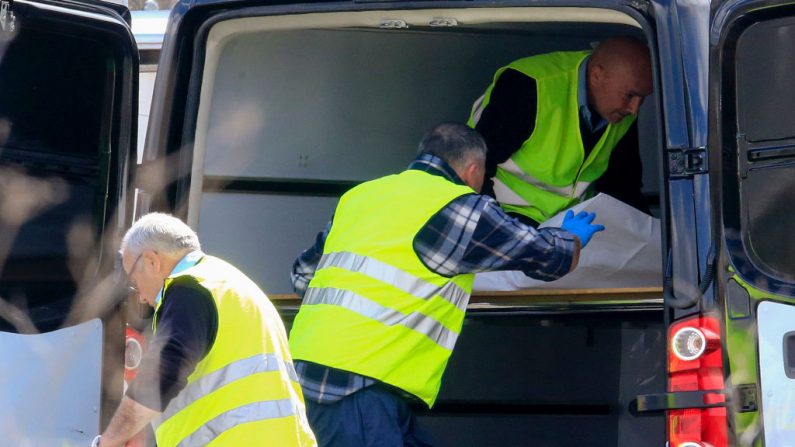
[183, 278]
[368, 184]
[441, 180]
[187, 285]
[206, 262]
[545, 65]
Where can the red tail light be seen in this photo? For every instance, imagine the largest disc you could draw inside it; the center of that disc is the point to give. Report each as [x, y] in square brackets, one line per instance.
[133, 353]
[695, 363]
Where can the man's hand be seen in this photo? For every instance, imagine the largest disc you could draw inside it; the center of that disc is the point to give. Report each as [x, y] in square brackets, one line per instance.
[581, 225]
[130, 418]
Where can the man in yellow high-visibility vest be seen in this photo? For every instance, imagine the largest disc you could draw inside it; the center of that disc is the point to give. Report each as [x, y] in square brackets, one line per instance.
[388, 281]
[561, 127]
[218, 371]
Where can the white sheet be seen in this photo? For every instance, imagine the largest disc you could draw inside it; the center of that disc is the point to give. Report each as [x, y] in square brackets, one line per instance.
[626, 254]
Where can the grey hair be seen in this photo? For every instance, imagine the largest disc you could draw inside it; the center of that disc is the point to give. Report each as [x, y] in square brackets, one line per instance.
[161, 232]
[455, 143]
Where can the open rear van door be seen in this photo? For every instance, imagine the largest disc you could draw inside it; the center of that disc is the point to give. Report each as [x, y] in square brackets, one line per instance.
[68, 92]
[752, 148]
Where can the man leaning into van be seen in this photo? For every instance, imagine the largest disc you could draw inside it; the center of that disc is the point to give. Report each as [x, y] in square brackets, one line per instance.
[218, 370]
[561, 126]
[387, 283]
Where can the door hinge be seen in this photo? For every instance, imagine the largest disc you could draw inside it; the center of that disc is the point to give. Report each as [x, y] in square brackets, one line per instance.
[744, 398]
[687, 162]
[8, 21]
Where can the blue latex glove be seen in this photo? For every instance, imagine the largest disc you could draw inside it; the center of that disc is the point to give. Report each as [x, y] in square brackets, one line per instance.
[581, 225]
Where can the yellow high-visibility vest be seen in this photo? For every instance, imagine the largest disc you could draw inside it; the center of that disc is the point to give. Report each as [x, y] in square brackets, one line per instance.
[550, 172]
[373, 308]
[245, 391]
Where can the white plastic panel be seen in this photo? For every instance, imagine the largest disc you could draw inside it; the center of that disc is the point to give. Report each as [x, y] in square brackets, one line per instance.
[346, 104]
[262, 234]
[778, 391]
[50, 387]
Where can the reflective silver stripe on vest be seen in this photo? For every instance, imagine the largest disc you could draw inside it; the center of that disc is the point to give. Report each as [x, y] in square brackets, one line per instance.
[395, 277]
[477, 109]
[415, 321]
[257, 411]
[576, 190]
[224, 376]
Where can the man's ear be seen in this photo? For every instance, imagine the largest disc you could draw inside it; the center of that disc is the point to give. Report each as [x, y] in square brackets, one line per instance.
[596, 72]
[477, 171]
[473, 175]
[152, 260]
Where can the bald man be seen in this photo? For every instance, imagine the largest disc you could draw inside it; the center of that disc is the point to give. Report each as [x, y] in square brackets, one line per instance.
[560, 127]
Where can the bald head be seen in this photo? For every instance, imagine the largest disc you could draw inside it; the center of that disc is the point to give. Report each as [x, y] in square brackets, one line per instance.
[623, 50]
[619, 77]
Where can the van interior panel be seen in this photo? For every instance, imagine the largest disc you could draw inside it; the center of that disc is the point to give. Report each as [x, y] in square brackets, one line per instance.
[323, 98]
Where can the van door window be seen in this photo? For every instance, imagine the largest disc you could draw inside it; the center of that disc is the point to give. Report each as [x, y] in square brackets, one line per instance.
[766, 146]
[55, 132]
